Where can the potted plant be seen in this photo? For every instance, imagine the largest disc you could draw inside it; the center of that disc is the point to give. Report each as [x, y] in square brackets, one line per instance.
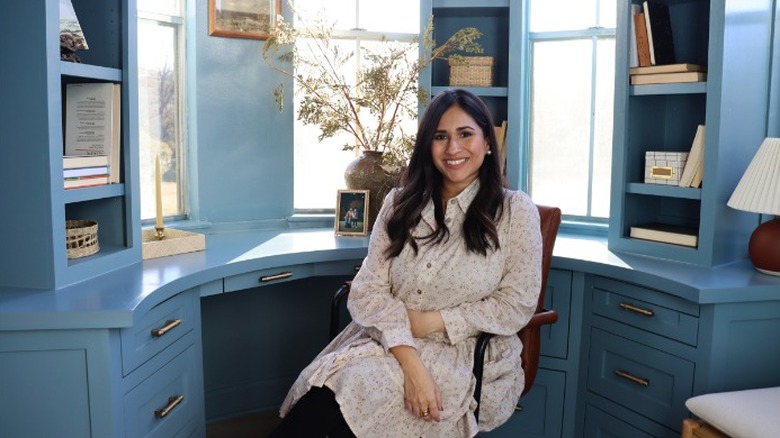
[374, 104]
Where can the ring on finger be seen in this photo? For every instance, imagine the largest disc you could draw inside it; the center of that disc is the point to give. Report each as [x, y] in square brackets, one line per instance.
[425, 413]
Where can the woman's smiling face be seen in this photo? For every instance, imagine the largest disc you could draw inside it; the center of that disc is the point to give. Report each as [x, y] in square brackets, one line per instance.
[458, 150]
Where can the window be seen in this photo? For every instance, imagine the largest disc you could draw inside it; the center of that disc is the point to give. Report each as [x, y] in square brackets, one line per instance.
[161, 105]
[359, 23]
[571, 83]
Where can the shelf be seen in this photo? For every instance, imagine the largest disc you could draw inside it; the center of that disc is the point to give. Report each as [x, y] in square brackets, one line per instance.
[479, 91]
[93, 193]
[662, 89]
[87, 71]
[471, 4]
[662, 190]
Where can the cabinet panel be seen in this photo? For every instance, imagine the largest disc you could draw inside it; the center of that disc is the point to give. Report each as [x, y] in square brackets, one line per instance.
[540, 412]
[555, 337]
[267, 276]
[49, 383]
[164, 404]
[643, 379]
[599, 424]
[160, 327]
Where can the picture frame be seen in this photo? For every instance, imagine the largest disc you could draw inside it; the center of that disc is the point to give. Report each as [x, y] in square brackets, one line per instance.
[351, 213]
[253, 19]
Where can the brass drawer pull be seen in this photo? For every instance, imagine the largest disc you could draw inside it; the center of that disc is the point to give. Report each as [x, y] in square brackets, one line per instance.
[357, 268]
[172, 403]
[518, 408]
[632, 308]
[638, 380]
[278, 276]
[169, 325]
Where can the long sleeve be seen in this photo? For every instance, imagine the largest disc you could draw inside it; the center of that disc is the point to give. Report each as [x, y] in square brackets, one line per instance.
[511, 306]
[371, 301]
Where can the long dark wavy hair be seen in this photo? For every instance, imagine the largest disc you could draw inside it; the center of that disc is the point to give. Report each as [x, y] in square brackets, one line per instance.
[422, 182]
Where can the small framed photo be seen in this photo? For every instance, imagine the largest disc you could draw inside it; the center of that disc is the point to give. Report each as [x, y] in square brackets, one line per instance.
[351, 211]
[252, 19]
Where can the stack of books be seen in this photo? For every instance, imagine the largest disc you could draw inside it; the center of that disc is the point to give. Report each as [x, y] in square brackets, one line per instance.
[85, 170]
[652, 54]
[92, 134]
[667, 74]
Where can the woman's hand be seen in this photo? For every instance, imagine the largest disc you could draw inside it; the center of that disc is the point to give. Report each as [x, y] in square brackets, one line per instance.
[425, 323]
[421, 393]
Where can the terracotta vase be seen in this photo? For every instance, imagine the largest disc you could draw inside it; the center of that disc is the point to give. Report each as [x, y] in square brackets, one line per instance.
[366, 173]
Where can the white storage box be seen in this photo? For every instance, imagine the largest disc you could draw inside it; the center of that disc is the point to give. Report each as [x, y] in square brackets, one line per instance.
[664, 167]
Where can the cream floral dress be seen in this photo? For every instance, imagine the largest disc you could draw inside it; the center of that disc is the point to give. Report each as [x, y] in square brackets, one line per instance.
[474, 293]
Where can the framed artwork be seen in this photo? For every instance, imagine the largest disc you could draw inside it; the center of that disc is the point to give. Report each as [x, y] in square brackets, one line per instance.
[243, 18]
[351, 211]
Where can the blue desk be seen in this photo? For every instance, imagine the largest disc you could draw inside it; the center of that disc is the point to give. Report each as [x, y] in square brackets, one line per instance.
[94, 336]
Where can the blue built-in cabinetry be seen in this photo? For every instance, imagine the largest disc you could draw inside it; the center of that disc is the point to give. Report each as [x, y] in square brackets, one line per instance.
[733, 40]
[35, 204]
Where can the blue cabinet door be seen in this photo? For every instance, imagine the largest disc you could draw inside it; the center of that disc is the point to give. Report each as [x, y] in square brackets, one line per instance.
[540, 412]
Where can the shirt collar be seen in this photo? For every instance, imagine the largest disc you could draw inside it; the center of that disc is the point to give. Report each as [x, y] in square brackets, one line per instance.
[463, 200]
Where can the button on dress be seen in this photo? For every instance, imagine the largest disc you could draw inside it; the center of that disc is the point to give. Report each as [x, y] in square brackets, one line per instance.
[496, 293]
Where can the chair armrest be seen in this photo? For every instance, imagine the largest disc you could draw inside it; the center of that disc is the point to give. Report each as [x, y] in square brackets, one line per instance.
[335, 307]
[530, 356]
[542, 318]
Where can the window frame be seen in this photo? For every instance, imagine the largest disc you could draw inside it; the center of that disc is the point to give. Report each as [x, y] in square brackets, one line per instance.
[177, 22]
[586, 225]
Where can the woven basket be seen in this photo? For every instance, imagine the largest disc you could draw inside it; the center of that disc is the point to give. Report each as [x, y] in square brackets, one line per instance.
[81, 238]
[471, 71]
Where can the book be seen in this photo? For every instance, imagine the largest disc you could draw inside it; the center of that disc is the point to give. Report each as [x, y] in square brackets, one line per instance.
[633, 54]
[92, 122]
[87, 181]
[85, 171]
[695, 159]
[668, 78]
[642, 44]
[77, 161]
[668, 68]
[501, 146]
[677, 235]
[659, 33]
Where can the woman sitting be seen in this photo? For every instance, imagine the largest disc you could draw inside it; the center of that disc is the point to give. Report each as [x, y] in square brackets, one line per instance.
[453, 253]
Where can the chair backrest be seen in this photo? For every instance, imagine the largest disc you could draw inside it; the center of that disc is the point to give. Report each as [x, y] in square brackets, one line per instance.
[549, 221]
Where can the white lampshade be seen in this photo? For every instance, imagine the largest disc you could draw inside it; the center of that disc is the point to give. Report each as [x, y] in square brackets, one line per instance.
[759, 189]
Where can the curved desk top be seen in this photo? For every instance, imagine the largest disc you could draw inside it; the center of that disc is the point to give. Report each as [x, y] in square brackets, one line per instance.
[117, 298]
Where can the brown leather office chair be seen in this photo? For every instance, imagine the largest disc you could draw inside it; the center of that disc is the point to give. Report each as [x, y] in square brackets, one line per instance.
[549, 220]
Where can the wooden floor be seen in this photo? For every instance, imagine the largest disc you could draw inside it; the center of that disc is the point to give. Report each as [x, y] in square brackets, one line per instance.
[254, 425]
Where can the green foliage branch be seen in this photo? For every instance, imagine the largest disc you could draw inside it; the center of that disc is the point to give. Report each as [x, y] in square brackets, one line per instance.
[384, 92]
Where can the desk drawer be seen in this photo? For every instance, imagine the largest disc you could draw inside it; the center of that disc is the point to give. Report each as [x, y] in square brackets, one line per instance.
[267, 276]
[165, 404]
[160, 327]
[643, 379]
[647, 309]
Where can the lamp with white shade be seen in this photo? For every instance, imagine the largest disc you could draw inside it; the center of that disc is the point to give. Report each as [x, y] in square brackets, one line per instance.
[759, 192]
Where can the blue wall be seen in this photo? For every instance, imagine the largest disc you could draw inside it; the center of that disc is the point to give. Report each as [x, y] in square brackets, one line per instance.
[241, 147]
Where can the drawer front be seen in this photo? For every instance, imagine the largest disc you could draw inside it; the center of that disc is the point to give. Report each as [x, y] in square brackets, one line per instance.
[339, 267]
[160, 327]
[646, 314]
[267, 276]
[599, 424]
[540, 412]
[643, 379]
[165, 404]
